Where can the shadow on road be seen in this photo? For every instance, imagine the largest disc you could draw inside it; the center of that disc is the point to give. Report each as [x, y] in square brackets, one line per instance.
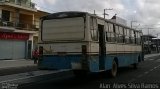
[72, 82]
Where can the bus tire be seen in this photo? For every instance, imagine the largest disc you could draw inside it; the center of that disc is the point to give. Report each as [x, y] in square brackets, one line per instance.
[114, 70]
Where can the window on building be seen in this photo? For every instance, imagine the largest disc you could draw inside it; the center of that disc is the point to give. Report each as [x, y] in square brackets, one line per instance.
[18, 2]
[5, 15]
[25, 2]
[12, 1]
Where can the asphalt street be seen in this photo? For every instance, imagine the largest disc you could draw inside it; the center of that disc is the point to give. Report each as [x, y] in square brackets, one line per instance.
[146, 76]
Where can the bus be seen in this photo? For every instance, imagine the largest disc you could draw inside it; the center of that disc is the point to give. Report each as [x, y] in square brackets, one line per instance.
[87, 43]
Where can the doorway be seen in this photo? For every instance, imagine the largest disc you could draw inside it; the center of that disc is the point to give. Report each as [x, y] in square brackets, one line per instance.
[102, 47]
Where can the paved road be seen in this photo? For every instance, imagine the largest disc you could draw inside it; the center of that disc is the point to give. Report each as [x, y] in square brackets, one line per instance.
[148, 72]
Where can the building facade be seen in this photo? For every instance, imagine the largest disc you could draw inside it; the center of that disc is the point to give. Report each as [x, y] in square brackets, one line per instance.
[19, 25]
[156, 42]
[149, 44]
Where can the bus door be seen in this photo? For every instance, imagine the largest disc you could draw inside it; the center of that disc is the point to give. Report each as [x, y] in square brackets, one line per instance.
[102, 47]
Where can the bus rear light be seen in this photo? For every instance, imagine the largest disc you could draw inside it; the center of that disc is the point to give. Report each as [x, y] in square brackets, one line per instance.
[84, 49]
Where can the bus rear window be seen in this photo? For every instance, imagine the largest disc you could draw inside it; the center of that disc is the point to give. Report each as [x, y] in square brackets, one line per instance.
[63, 29]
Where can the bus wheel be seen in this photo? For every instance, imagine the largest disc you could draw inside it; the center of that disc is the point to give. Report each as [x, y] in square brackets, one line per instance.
[113, 71]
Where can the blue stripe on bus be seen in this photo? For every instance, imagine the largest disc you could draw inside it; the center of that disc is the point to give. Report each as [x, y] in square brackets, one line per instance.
[59, 62]
[64, 62]
[123, 60]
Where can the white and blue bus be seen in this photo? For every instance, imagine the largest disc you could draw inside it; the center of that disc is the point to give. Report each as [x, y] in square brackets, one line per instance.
[84, 42]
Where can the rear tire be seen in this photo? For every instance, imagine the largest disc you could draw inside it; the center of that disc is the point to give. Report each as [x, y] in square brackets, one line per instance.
[113, 71]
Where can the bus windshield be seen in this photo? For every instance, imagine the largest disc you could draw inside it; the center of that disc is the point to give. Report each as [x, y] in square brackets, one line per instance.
[64, 29]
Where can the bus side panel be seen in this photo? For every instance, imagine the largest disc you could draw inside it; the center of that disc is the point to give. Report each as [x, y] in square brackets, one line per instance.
[127, 59]
[94, 63]
[124, 59]
[94, 57]
[108, 61]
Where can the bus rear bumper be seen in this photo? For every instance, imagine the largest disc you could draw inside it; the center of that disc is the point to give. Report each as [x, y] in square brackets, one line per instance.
[60, 62]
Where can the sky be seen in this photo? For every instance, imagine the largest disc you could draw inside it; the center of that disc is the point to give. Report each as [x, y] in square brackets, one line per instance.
[144, 14]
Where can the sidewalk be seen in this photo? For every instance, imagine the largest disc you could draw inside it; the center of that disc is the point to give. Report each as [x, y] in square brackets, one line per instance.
[151, 55]
[5, 64]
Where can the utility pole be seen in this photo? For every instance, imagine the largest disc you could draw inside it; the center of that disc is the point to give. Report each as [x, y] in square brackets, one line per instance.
[157, 43]
[94, 12]
[106, 13]
[148, 42]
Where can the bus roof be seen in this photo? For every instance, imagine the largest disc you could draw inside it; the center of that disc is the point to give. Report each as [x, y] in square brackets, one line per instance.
[68, 14]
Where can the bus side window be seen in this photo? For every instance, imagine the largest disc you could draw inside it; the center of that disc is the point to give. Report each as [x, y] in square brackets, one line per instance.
[110, 33]
[135, 37]
[93, 29]
[132, 37]
[138, 38]
[117, 33]
[127, 37]
[121, 35]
